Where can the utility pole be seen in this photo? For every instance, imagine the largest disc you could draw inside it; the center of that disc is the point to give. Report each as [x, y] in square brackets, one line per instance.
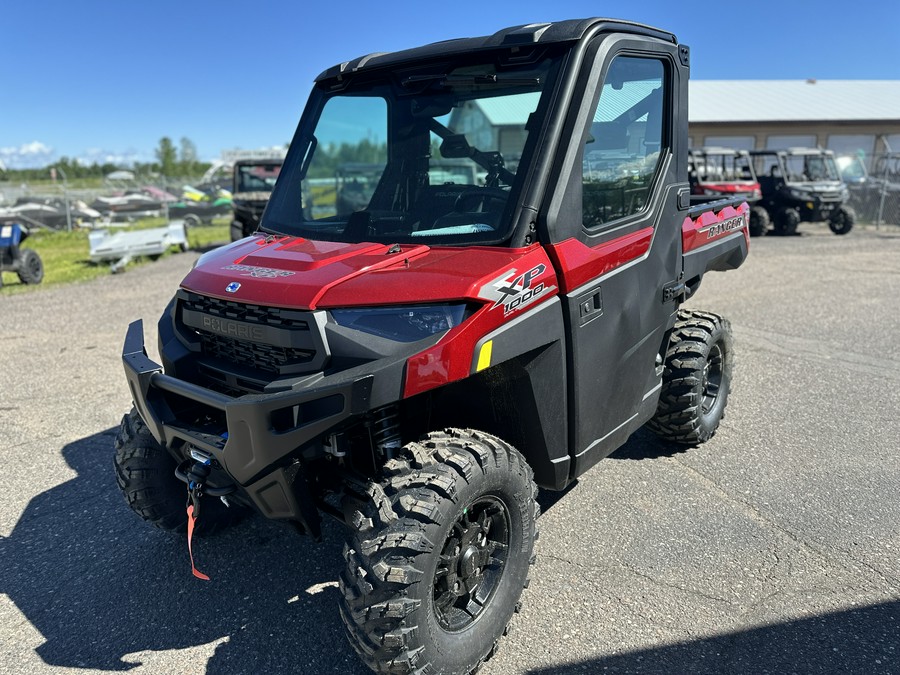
[66, 198]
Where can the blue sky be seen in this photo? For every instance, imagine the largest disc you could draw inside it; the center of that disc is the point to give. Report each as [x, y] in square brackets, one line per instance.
[105, 80]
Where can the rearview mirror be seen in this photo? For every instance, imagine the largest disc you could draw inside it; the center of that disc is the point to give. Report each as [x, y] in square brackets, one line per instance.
[455, 147]
[431, 107]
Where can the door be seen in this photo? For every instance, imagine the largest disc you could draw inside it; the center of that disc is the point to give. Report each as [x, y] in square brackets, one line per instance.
[618, 244]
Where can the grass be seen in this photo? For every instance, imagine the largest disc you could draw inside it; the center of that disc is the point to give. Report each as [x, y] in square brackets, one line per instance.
[66, 255]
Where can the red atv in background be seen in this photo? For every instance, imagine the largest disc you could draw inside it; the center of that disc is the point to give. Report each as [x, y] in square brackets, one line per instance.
[416, 365]
[725, 172]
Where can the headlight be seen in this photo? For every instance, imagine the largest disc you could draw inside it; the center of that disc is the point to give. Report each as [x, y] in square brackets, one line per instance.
[845, 194]
[401, 324]
[800, 194]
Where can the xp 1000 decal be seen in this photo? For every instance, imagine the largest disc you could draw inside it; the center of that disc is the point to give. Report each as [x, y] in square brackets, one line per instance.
[513, 290]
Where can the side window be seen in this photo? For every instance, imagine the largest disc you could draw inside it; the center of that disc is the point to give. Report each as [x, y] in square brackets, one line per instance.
[622, 150]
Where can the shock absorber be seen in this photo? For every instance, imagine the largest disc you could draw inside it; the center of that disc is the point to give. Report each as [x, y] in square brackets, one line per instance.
[384, 428]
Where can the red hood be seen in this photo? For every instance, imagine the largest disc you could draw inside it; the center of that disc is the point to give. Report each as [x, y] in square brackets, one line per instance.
[306, 274]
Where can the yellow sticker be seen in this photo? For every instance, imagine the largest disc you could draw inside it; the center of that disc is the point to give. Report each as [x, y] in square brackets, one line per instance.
[484, 356]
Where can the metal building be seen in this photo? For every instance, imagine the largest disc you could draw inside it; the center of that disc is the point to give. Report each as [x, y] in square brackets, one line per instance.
[860, 117]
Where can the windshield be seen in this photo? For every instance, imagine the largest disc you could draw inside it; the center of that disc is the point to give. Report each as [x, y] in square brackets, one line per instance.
[721, 167]
[429, 154]
[257, 177]
[810, 168]
[851, 168]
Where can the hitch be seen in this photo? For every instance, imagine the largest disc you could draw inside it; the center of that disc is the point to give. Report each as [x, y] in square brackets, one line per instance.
[194, 473]
[198, 471]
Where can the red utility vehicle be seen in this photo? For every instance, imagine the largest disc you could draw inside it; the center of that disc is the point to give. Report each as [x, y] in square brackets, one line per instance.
[418, 365]
[725, 172]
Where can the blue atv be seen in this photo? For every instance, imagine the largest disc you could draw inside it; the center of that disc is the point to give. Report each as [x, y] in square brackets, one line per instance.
[23, 261]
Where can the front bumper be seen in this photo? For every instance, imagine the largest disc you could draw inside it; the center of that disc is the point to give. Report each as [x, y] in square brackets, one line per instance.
[818, 209]
[252, 442]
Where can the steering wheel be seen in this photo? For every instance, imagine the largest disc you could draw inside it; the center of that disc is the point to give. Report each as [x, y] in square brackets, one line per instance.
[476, 199]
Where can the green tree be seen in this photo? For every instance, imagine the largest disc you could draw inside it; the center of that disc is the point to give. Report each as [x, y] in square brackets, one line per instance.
[166, 156]
[188, 156]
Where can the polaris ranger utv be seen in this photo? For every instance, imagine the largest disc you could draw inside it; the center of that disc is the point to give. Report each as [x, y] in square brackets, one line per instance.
[724, 172]
[418, 366]
[802, 185]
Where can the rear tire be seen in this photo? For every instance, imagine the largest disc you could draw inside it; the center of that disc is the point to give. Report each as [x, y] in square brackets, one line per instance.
[439, 553]
[192, 220]
[31, 267]
[786, 221]
[696, 379]
[759, 221]
[241, 230]
[842, 220]
[145, 473]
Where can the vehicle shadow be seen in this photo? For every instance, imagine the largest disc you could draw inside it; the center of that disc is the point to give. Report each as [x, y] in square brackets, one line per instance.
[99, 584]
[644, 444]
[860, 640]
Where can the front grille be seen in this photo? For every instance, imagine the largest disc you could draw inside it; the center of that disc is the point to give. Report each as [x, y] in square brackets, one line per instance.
[269, 316]
[255, 355]
[244, 342]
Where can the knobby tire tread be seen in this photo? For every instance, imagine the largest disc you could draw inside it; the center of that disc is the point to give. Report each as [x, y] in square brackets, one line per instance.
[678, 415]
[145, 475]
[390, 531]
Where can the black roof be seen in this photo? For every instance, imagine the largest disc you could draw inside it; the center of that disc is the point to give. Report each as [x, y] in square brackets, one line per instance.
[529, 34]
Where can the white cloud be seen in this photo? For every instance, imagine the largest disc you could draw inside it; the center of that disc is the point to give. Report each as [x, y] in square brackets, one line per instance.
[120, 158]
[37, 155]
[32, 155]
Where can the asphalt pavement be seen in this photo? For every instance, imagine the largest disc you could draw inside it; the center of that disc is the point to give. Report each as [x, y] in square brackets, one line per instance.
[773, 548]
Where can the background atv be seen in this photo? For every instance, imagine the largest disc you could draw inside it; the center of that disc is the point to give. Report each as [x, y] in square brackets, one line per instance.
[802, 185]
[498, 308]
[725, 172]
[25, 262]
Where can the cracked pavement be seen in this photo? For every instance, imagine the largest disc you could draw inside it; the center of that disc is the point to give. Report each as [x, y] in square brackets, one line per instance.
[773, 548]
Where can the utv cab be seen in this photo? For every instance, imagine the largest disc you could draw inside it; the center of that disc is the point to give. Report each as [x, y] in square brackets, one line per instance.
[802, 185]
[253, 183]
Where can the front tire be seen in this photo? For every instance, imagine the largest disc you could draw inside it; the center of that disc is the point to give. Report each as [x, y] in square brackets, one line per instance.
[842, 220]
[696, 379]
[759, 221]
[786, 221]
[31, 267]
[145, 473]
[439, 554]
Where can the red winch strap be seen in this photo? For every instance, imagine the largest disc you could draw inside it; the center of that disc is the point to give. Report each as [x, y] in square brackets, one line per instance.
[190, 532]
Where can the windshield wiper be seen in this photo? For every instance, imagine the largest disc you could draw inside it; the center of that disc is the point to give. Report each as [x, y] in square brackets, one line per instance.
[481, 79]
[491, 78]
